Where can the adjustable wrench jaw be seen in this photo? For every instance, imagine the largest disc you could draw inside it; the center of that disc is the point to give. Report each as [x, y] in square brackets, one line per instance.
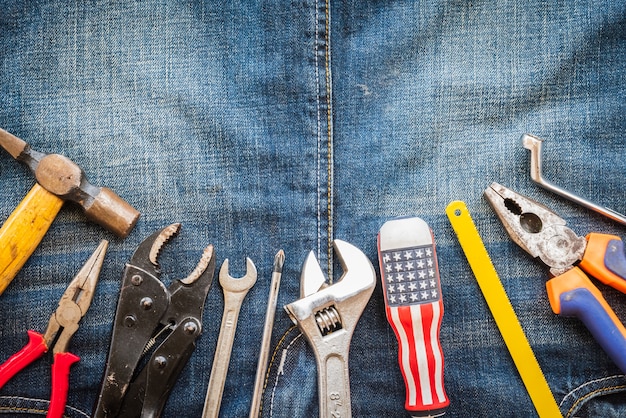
[328, 318]
[352, 291]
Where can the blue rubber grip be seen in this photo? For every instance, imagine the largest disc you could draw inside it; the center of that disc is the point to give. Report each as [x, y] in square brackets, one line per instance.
[582, 304]
[614, 259]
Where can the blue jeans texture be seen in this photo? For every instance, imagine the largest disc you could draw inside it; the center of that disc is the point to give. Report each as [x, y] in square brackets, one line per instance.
[275, 124]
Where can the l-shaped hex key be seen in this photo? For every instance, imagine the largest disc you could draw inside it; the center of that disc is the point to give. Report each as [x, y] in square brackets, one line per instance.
[534, 144]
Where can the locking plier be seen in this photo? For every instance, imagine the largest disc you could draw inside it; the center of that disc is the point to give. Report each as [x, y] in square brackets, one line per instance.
[150, 315]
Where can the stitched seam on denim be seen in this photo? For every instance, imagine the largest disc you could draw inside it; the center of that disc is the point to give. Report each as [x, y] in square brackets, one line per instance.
[329, 128]
[594, 393]
[591, 395]
[319, 130]
[329, 136]
[37, 411]
[591, 382]
[286, 349]
[33, 410]
[271, 362]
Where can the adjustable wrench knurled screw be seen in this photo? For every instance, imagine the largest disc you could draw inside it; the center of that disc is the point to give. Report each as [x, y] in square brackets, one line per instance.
[328, 317]
[235, 290]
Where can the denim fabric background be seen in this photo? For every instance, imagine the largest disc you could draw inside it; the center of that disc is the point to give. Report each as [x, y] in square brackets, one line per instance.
[284, 124]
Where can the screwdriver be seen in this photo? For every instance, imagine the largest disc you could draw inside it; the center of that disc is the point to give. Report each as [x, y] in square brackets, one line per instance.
[414, 308]
[261, 370]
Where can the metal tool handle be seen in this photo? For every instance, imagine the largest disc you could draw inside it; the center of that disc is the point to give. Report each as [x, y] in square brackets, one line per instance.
[221, 358]
[264, 351]
[573, 294]
[534, 145]
[132, 330]
[334, 385]
[149, 391]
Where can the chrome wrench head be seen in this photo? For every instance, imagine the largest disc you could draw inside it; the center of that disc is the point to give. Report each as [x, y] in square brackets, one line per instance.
[352, 291]
[328, 317]
[243, 284]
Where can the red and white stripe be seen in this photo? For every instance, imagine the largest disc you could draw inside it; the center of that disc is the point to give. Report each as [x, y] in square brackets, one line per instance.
[421, 358]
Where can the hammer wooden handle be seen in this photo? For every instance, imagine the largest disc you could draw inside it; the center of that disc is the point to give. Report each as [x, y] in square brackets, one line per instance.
[24, 229]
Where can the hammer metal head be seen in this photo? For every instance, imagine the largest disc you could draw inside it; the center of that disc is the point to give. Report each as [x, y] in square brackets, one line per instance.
[66, 180]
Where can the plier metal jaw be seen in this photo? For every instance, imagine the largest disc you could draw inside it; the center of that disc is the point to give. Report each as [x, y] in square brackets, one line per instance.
[153, 321]
[543, 234]
[538, 230]
[62, 326]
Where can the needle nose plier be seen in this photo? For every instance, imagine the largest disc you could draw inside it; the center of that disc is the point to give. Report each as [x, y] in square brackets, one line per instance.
[62, 325]
[543, 234]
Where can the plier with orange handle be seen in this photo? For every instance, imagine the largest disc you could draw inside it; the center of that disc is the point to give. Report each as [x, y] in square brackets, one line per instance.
[62, 325]
[543, 234]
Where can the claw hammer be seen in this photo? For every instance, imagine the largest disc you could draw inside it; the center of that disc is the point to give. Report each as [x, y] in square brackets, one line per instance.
[58, 179]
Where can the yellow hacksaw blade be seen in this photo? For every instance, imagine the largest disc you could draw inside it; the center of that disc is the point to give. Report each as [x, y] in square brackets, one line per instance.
[502, 310]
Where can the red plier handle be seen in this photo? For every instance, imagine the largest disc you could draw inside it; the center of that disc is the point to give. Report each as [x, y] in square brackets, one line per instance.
[60, 383]
[62, 325]
[34, 349]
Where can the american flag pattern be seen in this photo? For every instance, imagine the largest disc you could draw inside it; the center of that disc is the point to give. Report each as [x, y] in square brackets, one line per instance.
[414, 308]
[410, 276]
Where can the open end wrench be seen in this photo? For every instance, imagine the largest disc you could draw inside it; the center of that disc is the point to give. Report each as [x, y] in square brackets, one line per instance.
[235, 290]
[328, 317]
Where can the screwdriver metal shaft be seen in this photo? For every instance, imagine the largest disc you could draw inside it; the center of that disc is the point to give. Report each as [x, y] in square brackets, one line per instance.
[279, 260]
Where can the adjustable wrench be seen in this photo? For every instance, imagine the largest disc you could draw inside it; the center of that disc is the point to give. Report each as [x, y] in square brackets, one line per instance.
[235, 290]
[327, 315]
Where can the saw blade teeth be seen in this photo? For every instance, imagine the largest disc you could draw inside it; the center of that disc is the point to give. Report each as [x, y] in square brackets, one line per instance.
[164, 237]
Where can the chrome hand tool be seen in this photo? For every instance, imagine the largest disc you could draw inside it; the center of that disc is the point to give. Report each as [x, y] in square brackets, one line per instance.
[502, 310]
[327, 315]
[264, 351]
[156, 324]
[235, 290]
[414, 307]
[534, 145]
[543, 234]
[62, 326]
